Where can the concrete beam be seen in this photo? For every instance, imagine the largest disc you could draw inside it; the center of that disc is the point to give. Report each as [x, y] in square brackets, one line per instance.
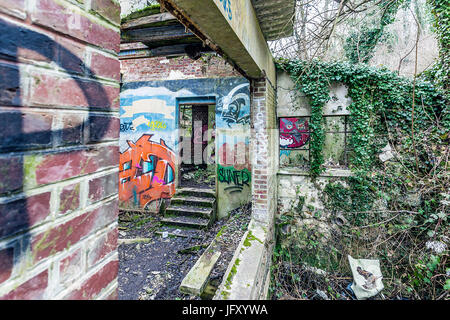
[231, 28]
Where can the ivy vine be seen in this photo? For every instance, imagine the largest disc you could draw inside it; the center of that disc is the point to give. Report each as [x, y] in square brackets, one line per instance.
[439, 73]
[380, 113]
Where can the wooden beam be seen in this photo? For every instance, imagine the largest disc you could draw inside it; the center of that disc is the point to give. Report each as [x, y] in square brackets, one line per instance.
[152, 34]
[154, 20]
[170, 50]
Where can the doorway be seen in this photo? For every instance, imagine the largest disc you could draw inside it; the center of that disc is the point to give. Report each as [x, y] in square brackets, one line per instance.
[197, 148]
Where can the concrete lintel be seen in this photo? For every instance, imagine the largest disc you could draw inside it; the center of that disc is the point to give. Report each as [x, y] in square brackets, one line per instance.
[233, 30]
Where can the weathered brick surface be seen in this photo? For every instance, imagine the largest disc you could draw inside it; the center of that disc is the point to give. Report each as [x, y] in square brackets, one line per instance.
[93, 286]
[103, 128]
[69, 198]
[13, 7]
[24, 213]
[9, 85]
[59, 103]
[55, 90]
[72, 128]
[32, 289]
[6, 263]
[65, 165]
[36, 132]
[104, 66]
[71, 55]
[107, 9]
[62, 236]
[102, 246]
[54, 15]
[102, 187]
[161, 68]
[11, 171]
[71, 266]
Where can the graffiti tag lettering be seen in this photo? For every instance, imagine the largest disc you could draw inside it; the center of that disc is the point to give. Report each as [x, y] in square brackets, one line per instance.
[126, 126]
[227, 7]
[237, 178]
[146, 171]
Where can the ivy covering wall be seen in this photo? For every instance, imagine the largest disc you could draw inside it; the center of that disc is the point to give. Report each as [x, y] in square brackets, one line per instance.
[411, 119]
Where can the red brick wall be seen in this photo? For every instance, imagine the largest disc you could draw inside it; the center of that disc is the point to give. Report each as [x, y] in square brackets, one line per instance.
[162, 68]
[59, 114]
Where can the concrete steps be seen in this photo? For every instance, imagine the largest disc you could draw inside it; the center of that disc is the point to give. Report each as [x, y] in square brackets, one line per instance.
[191, 208]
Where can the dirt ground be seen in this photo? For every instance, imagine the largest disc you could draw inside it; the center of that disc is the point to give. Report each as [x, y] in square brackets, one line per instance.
[153, 268]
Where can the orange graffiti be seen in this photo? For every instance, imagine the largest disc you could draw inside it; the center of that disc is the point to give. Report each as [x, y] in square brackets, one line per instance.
[146, 172]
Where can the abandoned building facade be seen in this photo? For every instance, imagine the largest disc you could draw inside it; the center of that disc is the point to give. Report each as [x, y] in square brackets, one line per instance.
[97, 114]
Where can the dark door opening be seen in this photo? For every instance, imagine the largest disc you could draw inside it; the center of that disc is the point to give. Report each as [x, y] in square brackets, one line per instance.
[197, 140]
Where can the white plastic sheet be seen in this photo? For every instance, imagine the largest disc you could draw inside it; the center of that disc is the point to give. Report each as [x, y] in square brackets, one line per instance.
[366, 277]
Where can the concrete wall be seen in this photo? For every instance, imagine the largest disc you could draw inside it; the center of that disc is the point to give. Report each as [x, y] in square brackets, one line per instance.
[59, 103]
[147, 101]
[248, 274]
[232, 28]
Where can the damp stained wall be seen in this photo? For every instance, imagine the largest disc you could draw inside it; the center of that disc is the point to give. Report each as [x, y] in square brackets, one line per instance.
[149, 115]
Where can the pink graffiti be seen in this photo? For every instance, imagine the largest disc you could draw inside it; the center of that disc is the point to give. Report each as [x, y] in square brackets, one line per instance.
[157, 180]
[294, 132]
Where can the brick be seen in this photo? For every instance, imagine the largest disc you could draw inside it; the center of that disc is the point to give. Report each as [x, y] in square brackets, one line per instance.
[71, 55]
[70, 267]
[93, 286]
[24, 213]
[103, 128]
[260, 181]
[25, 129]
[72, 129]
[61, 237]
[53, 90]
[11, 171]
[33, 289]
[10, 93]
[65, 165]
[18, 42]
[69, 198]
[54, 15]
[6, 263]
[107, 9]
[13, 7]
[102, 246]
[260, 192]
[105, 67]
[102, 187]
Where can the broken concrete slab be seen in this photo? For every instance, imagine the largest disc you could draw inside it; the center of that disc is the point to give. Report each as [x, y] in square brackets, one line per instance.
[133, 240]
[246, 276]
[196, 280]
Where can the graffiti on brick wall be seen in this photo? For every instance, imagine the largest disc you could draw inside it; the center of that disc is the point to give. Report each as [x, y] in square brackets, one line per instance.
[146, 172]
[18, 215]
[294, 132]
